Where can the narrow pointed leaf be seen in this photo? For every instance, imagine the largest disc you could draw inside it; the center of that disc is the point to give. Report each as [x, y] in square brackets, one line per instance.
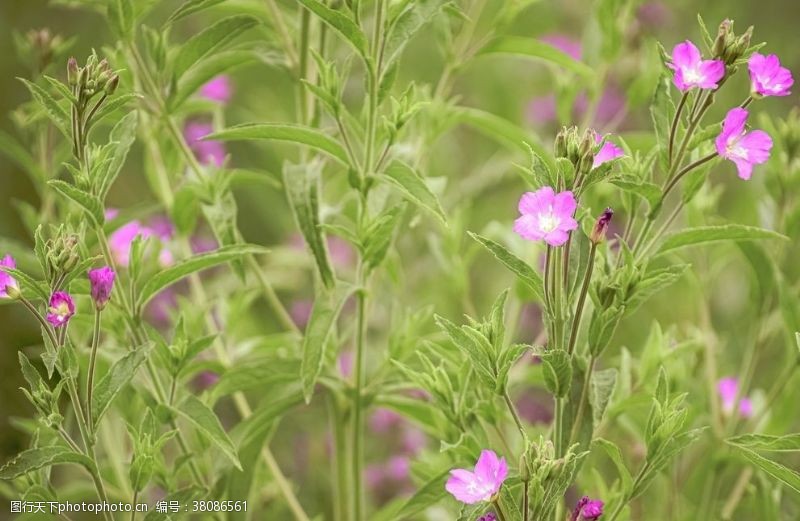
[202, 417]
[413, 186]
[209, 40]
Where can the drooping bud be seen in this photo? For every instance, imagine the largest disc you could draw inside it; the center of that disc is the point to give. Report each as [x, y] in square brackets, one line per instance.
[601, 226]
[72, 71]
[8, 284]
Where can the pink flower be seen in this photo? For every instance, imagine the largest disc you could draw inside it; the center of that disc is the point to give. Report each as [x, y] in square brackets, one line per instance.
[767, 77]
[744, 148]
[565, 44]
[728, 388]
[207, 152]
[120, 242]
[587, 509]
[205, 380]
[217, 89]
[414, 440]
[384, 420]
[300, 311]
[61, 309]
[606, 153]
[102, 282]
[692, 71]
[482, 483]
[397, 468]
[546, 216]
[7, 280]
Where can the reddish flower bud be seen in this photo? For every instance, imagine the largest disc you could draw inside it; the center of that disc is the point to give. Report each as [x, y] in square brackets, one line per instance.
[601, 226]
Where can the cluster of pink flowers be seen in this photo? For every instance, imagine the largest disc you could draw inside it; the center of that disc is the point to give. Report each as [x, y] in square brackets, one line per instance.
[767, 78]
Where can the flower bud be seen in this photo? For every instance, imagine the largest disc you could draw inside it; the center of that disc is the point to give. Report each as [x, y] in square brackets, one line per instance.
[561, 144]
[102, 282]
[601, 226]
[72, 71]
[112, 84]
[12, 292]
[524, 469]
[723, 38]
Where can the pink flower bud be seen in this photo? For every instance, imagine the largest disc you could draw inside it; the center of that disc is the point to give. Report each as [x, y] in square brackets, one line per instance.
[102, 282]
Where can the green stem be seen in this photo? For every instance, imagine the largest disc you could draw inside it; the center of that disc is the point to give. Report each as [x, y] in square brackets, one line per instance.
[573, 336]
[515, 415]
[358, 427]
[525, 501]
[501, 516]
[587, 381]
[92, 363]
[674, 128]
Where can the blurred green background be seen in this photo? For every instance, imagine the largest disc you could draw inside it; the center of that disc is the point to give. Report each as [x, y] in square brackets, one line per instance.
[262, 93]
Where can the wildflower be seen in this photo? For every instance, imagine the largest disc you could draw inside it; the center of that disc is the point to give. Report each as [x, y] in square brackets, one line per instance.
[205, 380]
[745, 149]
[6, 280]
[728, 388]
[121, 240]
[206, 151]
[692, 71]
[487, 517]
[607, 152]
[102, 281]
[482, 483]
[565, 44]
[767, 77]
[384, 420]
[61, 308]
[587, 509]
[217, 89]
[546, 216]
[601, 226]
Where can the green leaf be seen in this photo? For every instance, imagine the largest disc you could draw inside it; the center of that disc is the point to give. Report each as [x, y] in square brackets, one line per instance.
[181, 269]
[652, 282]
[88, 202]
[293, 133]
[785, 475]
[430, 493]
[406, 25]
[121, 17]
[57, 114]
[327, 307]
[379, 235]
[787, 443]
[302, 190]
[26, 282]
[557, 369]
[30, 373]
[526, 274]
[413, 186]
[19, 155]
[726, 232]
[206, 69]
[35, 459]
[603, 384]
[266, 414]
[532, 48]
[121, 138]
[269, 372]
[615, 454]
[113, 104]
[469, 342]
[202, 417]
[210, 39]
[501, 130]
[117, 377]
[341, 23]
[190, 7]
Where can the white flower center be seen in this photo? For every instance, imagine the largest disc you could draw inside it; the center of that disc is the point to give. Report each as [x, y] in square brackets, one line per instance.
[691, 75]
[62, 310]
[548, 222]
[735, 149]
